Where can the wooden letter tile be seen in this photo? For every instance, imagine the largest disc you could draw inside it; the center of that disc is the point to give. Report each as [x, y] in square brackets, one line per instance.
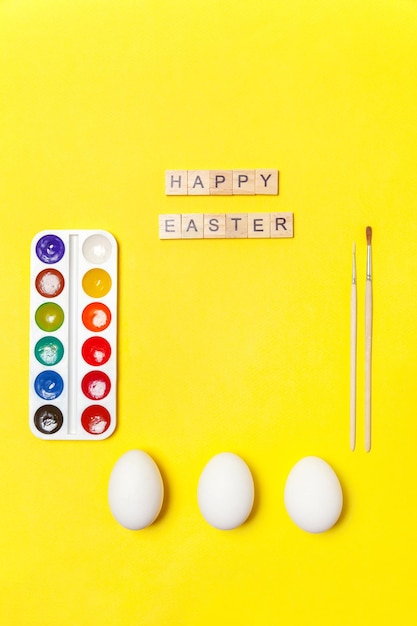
[170, 226]
[243, 182]
[259, 225]
[236, 225]
[214, 226]
[266, 182]
[192, 226]
[176, 182]
[221, 182]
[282, 225]
[198, 183]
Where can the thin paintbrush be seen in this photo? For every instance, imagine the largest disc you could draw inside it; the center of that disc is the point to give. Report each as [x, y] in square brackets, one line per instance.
[368, 340]
[353, 342]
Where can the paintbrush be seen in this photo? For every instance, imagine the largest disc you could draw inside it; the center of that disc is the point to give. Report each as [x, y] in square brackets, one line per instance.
[353, 343]
[368, 340]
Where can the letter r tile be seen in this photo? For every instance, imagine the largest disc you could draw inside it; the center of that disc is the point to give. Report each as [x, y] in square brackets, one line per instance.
[282, 225]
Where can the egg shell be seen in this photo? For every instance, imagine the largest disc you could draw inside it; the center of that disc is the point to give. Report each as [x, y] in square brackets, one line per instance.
[226, 491]
[136, 490]
[313, 495]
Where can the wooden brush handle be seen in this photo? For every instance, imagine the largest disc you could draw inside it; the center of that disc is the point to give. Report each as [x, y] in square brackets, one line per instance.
[368, 363]
[353, 339]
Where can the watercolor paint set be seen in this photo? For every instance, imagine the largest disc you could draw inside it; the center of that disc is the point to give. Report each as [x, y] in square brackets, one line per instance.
[73, 334]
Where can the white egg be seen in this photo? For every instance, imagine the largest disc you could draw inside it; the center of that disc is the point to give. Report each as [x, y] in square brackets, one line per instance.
[136, 490]
[313, 496]
[226, 491]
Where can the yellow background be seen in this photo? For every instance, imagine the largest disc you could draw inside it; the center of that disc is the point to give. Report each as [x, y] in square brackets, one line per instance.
[224, 345]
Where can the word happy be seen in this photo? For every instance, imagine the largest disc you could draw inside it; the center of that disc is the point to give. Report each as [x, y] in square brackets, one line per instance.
[221, 182]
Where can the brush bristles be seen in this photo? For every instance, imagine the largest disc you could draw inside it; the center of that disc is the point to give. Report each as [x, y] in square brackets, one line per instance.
[368, 235]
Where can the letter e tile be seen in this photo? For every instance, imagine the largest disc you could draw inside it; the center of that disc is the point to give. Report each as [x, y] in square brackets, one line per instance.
[170, 226]
[259, 225]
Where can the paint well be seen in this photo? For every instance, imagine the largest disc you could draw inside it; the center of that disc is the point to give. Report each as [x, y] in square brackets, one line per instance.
[49, 316]
[50, 249]
[97, 249]
[48, 419]
[96, 317]
[96, 351]
[96, 385]
[95, 419]
[49, 385]
[49, 350]
[49, 283]
[96, 283]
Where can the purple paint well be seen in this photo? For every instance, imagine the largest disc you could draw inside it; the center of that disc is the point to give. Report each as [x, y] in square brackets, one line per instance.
[50, 249]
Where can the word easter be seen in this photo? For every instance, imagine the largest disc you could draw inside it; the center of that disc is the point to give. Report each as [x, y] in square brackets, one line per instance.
[221, 182]
[226, 226]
